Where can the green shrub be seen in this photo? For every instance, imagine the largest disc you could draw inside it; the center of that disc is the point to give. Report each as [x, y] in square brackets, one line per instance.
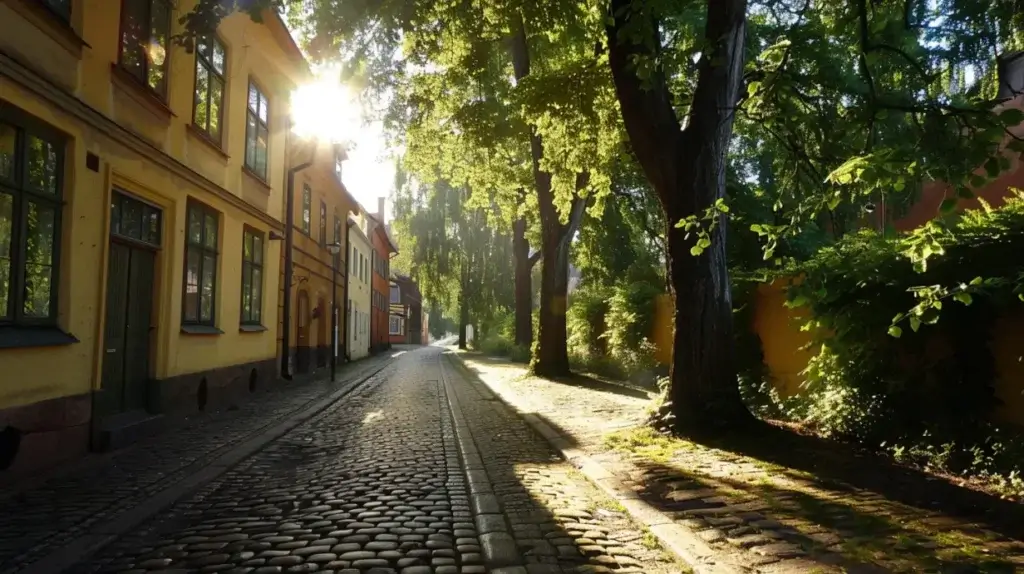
[923, 393]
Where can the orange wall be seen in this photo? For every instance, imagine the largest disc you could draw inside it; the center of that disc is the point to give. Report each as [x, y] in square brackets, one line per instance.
[783, 344]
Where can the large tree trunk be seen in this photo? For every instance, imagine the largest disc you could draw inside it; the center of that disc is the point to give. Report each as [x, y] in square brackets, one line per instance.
[524, 287]
[463, 305]
[687, 169]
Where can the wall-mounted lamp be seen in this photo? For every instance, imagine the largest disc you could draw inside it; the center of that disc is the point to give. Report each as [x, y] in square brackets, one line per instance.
[275, 236]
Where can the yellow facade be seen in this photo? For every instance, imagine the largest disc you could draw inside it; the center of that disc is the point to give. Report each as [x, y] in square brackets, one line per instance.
[116, 133]
[321, 206]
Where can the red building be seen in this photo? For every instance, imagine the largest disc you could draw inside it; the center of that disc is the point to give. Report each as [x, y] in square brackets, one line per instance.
[380, 285]
[406, 323]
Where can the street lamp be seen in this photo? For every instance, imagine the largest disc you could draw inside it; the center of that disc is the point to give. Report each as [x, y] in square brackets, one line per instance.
[334, 249]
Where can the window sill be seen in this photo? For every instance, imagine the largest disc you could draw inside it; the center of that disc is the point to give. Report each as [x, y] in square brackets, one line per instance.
[251, 328]
[17, 337]
[201, 330]
[256, 178]
[51, 24]
[141, 93]
[208, 141]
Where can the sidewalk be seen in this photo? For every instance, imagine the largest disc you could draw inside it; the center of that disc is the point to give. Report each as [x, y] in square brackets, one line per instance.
[39, 519]
[802, 506]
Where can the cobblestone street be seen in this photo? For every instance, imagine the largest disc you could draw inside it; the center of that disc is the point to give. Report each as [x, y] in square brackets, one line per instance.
[414, 471]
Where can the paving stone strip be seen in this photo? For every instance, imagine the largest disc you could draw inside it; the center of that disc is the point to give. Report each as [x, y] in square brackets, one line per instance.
[67, 507]
[755, 517]
[535, 512]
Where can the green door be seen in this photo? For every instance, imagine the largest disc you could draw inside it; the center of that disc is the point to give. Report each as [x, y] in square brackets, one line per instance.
[135, 230]
[128, 326]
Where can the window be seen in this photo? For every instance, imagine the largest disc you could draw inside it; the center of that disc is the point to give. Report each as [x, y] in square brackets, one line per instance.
[307, 208]
[208, 100]
[395, 327]
[145, 30]
[352, 261]
[252, 277]
[256, 132]
[134, 219]
[337, 165]
[323, 223]
[61, 8]
[396, 295]
[31, 178]
[200, 265]
[337, 239]
[362, 267]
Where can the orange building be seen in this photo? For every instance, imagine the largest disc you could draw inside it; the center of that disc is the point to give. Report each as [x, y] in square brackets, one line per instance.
[380, 294]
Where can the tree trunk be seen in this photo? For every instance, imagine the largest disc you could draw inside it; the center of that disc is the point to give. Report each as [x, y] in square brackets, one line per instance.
[687, 169]
[463, 305]
[524, 286]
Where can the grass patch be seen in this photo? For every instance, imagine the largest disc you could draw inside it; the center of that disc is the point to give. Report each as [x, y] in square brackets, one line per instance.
[646, 442]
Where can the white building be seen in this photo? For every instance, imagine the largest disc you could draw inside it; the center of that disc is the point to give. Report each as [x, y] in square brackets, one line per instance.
[359, 273]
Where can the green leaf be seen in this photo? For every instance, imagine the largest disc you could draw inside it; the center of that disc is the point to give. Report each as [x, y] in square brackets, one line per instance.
[963, 297]
[895, 331]
[1011, 117]
[978, 180]
[964, 193]
[899, 185]
[915, 323]
[976, 281]
[696, 250]
[948, 205]
[798, 301]
[992, 167]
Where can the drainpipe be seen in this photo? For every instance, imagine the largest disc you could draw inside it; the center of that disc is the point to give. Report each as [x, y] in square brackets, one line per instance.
[348, 278]
[289, 240]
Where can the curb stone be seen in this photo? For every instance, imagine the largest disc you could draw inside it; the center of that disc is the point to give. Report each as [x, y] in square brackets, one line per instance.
[680, 540]
[500, 552]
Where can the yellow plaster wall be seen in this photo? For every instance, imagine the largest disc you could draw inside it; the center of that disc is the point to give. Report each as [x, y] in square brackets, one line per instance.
[258, 50]
[782, 341]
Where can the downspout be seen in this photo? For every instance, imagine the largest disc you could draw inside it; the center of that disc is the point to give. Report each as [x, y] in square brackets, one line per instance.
[344, 291]
[288, 245]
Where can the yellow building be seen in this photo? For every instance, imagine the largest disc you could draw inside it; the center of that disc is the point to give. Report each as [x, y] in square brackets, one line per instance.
[360, 258]
[141, 198]
[320, 209]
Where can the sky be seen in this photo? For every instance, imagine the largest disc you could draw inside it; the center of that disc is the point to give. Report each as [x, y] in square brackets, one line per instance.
[369, 173]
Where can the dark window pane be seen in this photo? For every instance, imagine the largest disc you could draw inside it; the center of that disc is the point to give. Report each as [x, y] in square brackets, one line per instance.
[6, 226]
[250, 141]
[262, 138]
[191, 303]
[216, 101]
[246, 292]
[134, 37]
[210, 233]
[61, 8]
[8, 149]
[153, 224]
[257, 293]
[42, 165]
[206, 288]
[40, 232]
[218, 57]
[203, 47]
[131, 219]
[264, 105]
[254, 98]
[202, 110]
[195, 226]
[160, 25]
[257, 249]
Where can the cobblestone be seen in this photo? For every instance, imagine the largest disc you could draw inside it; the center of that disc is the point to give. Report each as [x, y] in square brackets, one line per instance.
[38, 519]
[762, 516]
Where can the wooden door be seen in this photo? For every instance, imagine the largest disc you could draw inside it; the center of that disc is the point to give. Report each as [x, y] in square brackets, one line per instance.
[127, 329]
[302, 336]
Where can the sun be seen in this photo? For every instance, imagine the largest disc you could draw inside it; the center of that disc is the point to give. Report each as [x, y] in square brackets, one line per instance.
[324, 109]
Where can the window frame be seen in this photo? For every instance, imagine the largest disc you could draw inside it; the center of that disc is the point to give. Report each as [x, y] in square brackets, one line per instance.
[203, 250]
[254, 233]
[63, 16]
[144, 80]
[211, 71]
[21, 196]
[306, 211]
[323, 224]
[261, 96]
[394, 319]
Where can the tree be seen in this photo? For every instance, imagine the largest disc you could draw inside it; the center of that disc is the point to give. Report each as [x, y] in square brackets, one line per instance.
[831, 133]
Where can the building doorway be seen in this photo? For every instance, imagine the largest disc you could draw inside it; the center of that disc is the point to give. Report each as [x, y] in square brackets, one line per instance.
[302, 336]
[135, 232]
